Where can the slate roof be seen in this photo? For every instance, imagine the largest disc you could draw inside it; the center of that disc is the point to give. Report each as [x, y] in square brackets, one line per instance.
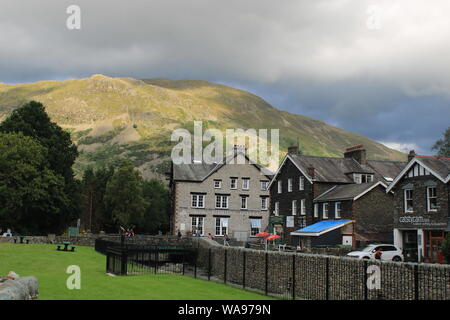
[346, 191]
[336, 170]
[329, 169]
[439, 165]
[386, 169]
[198, 172]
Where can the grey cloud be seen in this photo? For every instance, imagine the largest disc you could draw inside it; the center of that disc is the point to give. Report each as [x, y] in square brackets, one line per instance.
[317, 57]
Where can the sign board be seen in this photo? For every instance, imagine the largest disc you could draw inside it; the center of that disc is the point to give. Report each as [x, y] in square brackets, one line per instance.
[289, 221]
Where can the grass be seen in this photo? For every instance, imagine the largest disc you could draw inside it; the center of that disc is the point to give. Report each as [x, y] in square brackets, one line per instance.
[49, 266]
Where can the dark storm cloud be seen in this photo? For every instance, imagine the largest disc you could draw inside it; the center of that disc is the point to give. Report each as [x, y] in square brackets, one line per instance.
[325, 59]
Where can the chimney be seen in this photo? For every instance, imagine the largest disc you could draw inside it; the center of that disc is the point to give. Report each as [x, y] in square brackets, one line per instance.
[293, 150]
[411, 155]
[358, 153]
[311, 172]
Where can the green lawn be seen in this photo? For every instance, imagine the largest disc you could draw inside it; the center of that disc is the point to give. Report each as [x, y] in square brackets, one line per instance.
[49, 266]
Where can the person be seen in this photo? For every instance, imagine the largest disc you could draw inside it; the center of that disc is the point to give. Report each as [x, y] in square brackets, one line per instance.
[378, 253]
[210, 236]
[226, 239]
[179, 234]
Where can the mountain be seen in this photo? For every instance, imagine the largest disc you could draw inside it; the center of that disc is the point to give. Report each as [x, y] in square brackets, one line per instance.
[112, 118]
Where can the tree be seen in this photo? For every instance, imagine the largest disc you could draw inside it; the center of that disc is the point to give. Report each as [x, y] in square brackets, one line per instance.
[156, 217]
[31, 194]
[94, 214]
[124, 196]
[443, 145]
[32, 120]
[446, 248]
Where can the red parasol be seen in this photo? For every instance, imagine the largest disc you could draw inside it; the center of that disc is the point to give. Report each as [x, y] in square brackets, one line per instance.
[275, 236]
[263, 234]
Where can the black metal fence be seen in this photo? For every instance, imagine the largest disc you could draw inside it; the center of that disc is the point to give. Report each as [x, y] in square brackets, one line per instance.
[284, 275]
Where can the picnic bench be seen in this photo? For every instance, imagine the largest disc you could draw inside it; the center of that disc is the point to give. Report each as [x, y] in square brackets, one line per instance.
[65, 246]
[21, 238]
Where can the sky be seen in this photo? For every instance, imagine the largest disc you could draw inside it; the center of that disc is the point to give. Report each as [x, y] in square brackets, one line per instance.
[379, 68]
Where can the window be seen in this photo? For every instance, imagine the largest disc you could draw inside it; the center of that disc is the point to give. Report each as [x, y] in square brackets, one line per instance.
[221, 202]
[366, 178]
[302, 183]
[409, 200]
[217, 184]
[302, 222]
[325, 210]
[303, 207]
[255, 226]
[431, 199]
[277, 208]
[197, 225]
[264, 185]
[245, 184]
[337, 210]
[233, 183]
[294, 207]
[316, 210]
[264, 203]
[198, 200]
[221, 226]
[244, 202]
[279, 187]
[290, 185]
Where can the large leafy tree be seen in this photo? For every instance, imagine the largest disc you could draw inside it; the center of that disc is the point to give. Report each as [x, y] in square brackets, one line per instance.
[95, 216]
[32, 120]
[156, 217]
[442, 146]
[124, 197]
[32, 195]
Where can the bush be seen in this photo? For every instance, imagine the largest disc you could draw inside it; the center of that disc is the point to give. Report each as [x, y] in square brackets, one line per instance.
[446, 248]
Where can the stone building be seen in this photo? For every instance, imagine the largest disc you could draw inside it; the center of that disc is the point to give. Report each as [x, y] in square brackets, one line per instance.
[225, 198]
[421, 207]
[307, 190]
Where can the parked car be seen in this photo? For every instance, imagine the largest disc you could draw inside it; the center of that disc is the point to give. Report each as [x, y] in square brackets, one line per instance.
[389, 252]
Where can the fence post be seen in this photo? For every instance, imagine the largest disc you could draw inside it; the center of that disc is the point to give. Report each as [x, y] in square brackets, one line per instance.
[416, 282]
[243, 268]
[365, 264]
[124, 263]
[195, 263]
[225, 266]
[184, 258]
[209, 264]
[156, 259]
[266, 273]
[107, 261]
[327, 279]
[293, 276]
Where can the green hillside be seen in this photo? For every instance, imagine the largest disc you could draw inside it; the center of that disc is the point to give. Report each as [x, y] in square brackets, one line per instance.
[113, 118]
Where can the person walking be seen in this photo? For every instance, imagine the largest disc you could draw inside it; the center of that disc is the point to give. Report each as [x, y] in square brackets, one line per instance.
[378, 253]
[226, 240]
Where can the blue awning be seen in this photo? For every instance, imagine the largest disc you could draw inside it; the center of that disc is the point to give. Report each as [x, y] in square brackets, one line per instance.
[320, 228]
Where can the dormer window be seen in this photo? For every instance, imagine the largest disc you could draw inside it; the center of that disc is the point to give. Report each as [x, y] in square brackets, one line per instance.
[217, 184]
[362, 178]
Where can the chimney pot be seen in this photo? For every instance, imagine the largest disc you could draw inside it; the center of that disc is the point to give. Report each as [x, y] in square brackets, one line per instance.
[411, 155]
[293, 150]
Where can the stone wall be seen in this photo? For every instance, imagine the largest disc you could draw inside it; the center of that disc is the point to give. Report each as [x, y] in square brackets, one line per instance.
[320, 277]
